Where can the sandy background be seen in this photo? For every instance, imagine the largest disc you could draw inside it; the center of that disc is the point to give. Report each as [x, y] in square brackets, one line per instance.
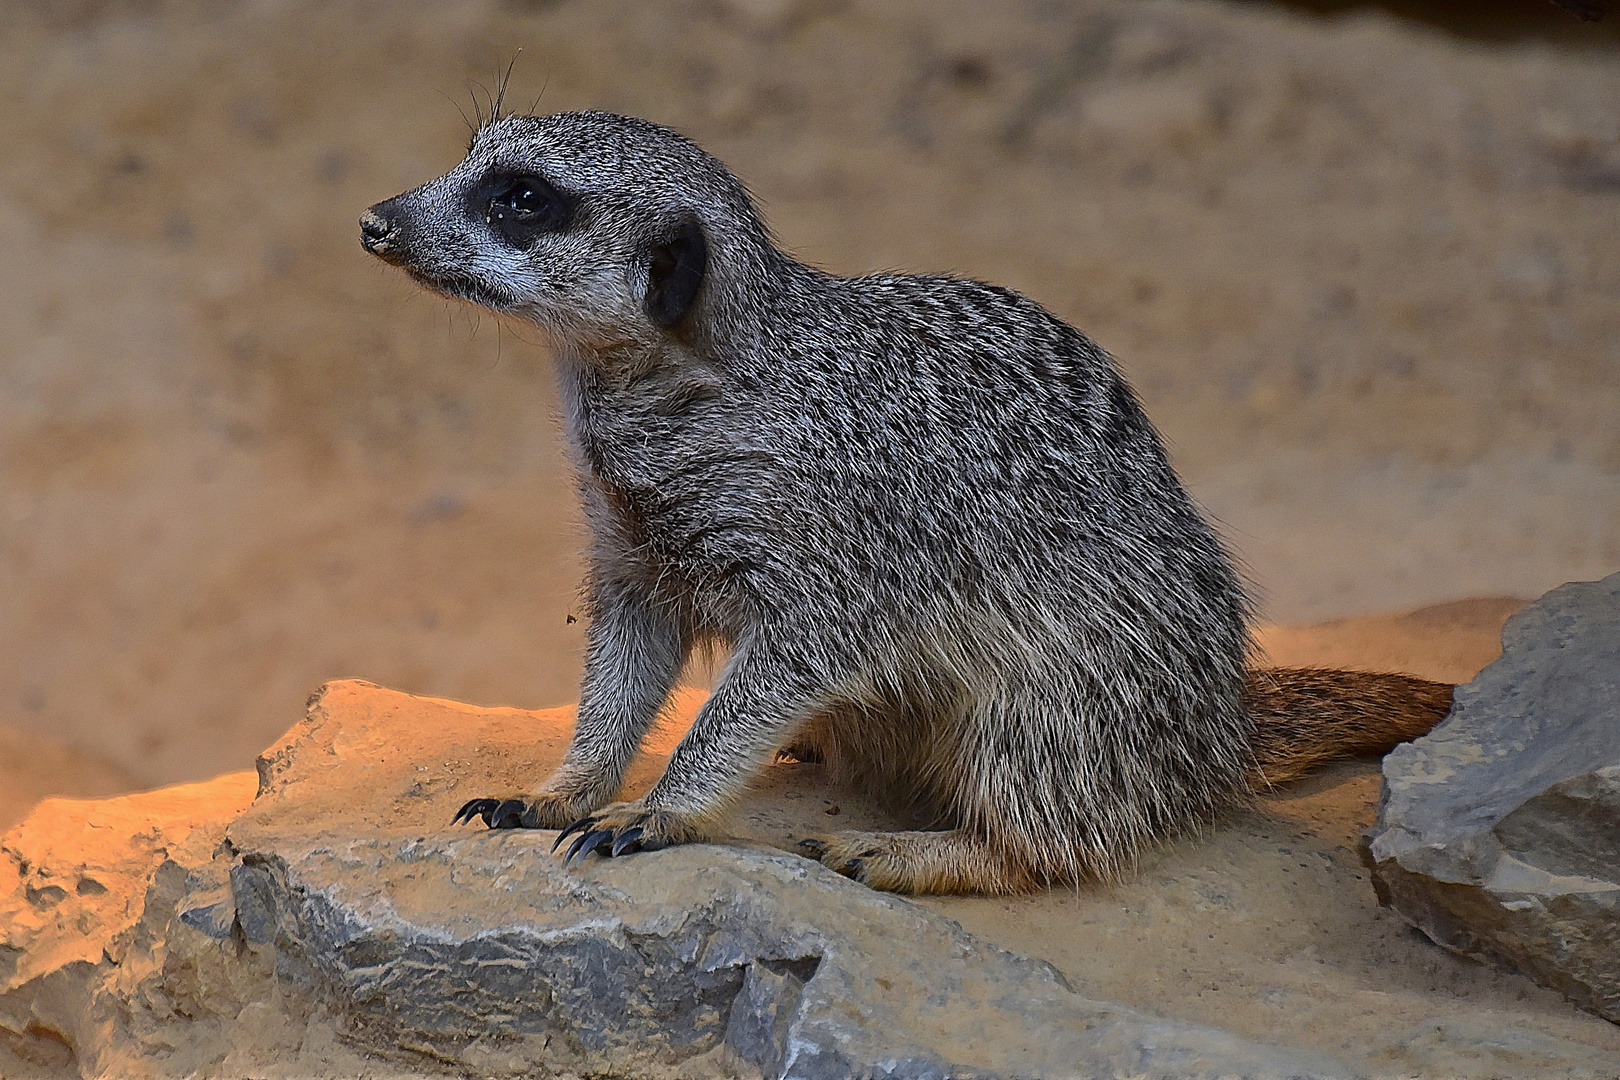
[1363, 269]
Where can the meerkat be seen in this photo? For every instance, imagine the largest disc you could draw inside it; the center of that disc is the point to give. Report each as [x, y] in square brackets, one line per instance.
[928, 521]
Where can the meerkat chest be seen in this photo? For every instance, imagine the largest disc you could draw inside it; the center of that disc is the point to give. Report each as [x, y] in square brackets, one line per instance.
[638, 439]
[665, 451]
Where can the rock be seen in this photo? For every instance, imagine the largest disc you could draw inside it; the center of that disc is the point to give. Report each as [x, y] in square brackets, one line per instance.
[1499, 832]
[338, 923]
[89, 892]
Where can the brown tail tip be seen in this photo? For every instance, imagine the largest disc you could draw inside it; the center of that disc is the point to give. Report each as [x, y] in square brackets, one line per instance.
[1306, 717]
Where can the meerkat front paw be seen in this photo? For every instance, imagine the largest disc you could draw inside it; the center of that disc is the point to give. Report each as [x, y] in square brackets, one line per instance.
[627, 827]
[541, 811]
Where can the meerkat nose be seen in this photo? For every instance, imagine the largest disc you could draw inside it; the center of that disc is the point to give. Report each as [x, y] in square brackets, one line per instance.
[379, 231]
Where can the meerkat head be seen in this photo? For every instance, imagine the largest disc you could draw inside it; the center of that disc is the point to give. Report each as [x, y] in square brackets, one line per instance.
[597, 228]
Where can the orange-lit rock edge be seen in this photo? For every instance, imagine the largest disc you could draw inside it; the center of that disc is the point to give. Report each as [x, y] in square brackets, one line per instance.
[74, 873]
[96, 963]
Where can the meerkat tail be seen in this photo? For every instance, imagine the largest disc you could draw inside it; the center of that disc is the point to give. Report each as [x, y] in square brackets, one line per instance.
[1305, 717]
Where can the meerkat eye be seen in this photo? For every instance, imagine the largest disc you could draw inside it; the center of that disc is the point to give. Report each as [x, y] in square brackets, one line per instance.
[525, 197]
[524, 207]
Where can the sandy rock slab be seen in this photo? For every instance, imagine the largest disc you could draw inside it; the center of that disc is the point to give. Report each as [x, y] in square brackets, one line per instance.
[1499, 832]
[323, 919]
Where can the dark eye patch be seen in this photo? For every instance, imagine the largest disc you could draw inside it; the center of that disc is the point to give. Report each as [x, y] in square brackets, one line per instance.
[522, 207]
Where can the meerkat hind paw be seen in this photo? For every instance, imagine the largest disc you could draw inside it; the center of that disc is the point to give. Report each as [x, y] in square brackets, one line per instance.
[918, 862]
[851, 860]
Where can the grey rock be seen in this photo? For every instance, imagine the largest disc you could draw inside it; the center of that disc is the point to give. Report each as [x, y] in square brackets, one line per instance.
[639, 965]
[1499, 832]
[469, 948]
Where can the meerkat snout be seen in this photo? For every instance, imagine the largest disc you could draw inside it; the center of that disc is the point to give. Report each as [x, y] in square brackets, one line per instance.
[378, 230]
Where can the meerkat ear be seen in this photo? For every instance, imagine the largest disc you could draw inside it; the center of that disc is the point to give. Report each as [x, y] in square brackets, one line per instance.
[676, 271]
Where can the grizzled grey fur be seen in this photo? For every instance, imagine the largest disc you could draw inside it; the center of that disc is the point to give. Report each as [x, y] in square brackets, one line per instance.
[927, 518]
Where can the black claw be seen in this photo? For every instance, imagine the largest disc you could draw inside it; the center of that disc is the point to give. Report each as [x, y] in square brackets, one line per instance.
[583, 823]
[508, 815]
[573, 849]
[852, 869]
[628, 840]
[587, 843]
[812, 848]
[475, 808]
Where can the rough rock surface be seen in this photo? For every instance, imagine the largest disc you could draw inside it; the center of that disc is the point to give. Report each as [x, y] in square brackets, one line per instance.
[336, 926]
[1499, 832]
[88, 935]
